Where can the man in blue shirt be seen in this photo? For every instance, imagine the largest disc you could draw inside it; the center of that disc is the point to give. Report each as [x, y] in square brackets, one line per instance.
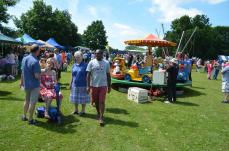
[31, 82]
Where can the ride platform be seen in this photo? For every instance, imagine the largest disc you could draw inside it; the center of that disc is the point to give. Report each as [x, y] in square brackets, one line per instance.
[147, 85]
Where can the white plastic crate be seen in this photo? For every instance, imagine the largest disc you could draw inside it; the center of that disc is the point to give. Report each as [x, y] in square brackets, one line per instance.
[137, 95]
[159, 77]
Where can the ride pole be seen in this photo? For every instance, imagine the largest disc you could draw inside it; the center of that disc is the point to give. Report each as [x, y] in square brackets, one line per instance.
[179, 43]
[189, 39]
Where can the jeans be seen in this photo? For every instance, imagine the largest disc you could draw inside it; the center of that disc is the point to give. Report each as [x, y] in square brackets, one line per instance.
[216, 74]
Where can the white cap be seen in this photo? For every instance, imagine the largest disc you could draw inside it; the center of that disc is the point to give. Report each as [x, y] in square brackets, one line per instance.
[174, 60]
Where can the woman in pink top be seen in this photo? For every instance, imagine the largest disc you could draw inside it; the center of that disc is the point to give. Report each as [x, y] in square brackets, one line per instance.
[210, 68]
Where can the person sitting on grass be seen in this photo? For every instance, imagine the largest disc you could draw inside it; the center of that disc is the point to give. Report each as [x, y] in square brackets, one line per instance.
[48, 80]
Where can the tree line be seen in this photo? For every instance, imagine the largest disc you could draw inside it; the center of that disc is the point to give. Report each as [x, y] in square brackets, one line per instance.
[42, 22]
[208, 42]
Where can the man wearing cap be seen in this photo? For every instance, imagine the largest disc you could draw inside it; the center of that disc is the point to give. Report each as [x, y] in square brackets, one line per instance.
[172, 70]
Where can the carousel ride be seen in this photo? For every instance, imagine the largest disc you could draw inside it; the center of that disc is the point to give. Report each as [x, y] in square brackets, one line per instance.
[142, 76]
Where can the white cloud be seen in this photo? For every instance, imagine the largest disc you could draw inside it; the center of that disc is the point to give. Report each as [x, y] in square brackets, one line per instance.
[118, 32]
[92, 10]
[214, 1]
[130, 2]
[169, 10]
[126, 30]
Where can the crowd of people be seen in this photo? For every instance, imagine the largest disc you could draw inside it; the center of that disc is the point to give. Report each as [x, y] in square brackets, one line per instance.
[10, 63]
[89, 83]
[91, 79]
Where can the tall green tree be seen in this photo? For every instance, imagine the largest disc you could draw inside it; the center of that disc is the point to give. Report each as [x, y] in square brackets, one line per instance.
[94, 37]
[5, 16]
[4, 4]
[207, 42]
[41, 22]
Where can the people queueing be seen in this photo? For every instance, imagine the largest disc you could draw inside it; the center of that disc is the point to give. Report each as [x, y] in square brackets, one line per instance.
[225, 82]
[172, 70]
[78, 84]
[99, 81]
[30, 80]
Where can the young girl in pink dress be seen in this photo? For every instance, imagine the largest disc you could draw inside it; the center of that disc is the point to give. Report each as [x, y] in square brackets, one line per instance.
[210, 68]
[48, 79]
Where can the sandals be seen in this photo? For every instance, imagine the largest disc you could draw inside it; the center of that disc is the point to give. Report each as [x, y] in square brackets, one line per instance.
[75, 112]
[225, 101]
[23, 118]
[101, 122]
[32, 122]
[82, 113]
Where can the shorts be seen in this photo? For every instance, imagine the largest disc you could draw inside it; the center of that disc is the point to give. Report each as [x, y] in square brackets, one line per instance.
[32, 95]
[225, 87]
[99, 94]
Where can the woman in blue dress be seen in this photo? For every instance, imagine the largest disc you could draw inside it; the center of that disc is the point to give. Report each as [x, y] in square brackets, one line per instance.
[79, 94]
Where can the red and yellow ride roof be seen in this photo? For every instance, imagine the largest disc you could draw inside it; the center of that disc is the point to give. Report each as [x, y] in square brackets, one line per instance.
[150, 40]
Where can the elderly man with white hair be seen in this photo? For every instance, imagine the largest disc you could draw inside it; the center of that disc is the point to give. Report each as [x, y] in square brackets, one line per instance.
[78, 85]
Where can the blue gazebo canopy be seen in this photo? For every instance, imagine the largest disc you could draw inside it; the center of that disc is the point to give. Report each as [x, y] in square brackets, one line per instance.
[7, 39]
[28, 40]
[52, 42]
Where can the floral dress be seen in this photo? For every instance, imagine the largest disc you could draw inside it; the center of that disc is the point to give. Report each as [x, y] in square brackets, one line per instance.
[47, 91]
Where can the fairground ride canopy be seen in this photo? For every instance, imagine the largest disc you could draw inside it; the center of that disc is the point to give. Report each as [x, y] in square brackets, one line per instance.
[151, 41]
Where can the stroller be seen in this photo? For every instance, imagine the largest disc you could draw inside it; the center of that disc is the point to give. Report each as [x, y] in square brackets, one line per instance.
[54, 112]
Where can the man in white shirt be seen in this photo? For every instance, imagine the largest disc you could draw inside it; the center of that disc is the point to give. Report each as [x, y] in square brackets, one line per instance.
[99, 81]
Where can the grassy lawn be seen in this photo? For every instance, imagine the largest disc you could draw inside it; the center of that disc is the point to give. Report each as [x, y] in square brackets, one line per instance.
[199, 121]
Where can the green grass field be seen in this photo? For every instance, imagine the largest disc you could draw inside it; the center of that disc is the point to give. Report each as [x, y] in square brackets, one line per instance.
[198, 121]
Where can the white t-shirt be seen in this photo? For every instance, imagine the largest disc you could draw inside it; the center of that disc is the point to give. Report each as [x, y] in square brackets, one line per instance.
[99, 70]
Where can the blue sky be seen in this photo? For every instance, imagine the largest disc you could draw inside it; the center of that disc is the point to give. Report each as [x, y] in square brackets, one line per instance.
[131, 19]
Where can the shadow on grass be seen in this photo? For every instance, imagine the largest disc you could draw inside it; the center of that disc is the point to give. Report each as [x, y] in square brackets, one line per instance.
[186, 103]
[195, 87]
[190, 93]
[117, 111]
[112, 121]
[66, 126]
[4, 93]
[178, 102]
[116, 87]
[64, 84]
[10, 98]
[12, 81]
